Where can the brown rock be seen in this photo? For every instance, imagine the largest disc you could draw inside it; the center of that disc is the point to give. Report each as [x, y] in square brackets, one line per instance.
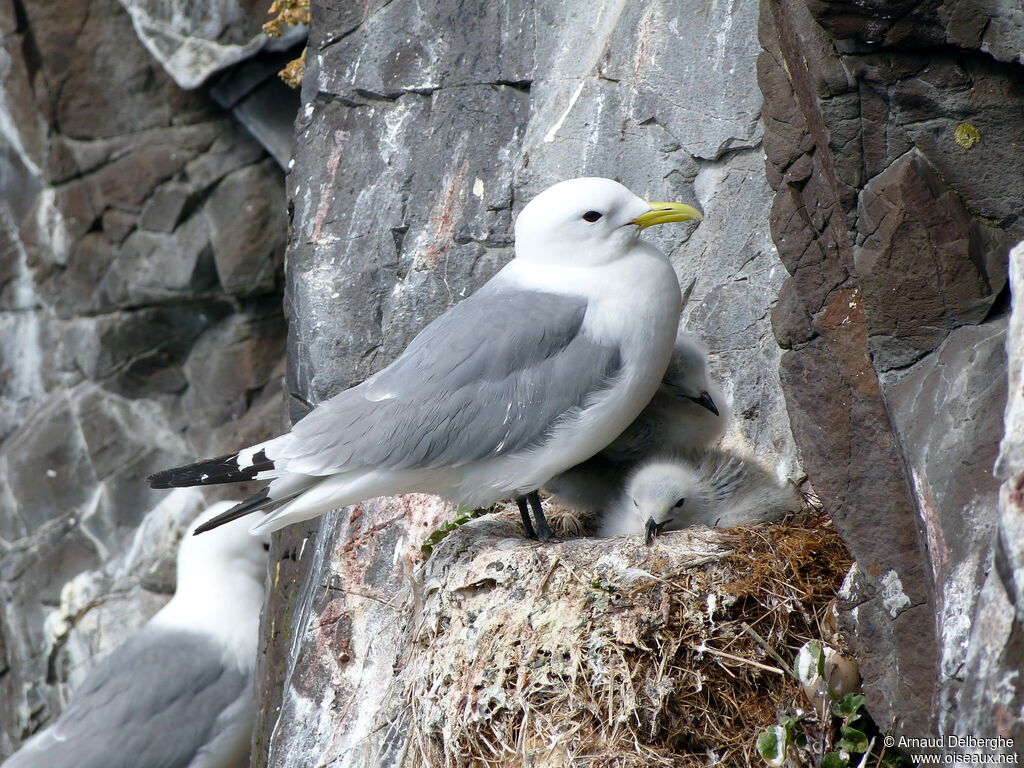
[895, 235]
[925, 265]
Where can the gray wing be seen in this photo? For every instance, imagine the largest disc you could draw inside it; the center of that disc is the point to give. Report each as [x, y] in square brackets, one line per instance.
[152, 703]
[728, 476]
[742, 491]
[492, 375]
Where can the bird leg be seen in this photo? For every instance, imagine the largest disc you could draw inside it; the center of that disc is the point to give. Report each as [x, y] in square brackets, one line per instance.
[543, 532]
[527, 523]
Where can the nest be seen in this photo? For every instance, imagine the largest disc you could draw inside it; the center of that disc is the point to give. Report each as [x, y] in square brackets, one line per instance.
[592, 652]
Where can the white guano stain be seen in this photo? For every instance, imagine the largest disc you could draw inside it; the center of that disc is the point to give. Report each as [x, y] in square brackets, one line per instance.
[893, 597]
[553, 131]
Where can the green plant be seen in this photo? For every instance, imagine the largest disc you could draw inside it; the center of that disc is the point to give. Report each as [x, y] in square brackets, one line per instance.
[836, 732]
[462, 516]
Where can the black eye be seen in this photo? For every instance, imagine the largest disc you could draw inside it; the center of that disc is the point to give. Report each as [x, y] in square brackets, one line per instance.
[678, 504]
[635, 504]
[266, 547]
[591, 216]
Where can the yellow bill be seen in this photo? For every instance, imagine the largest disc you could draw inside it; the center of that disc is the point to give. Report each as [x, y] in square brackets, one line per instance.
[662, 213]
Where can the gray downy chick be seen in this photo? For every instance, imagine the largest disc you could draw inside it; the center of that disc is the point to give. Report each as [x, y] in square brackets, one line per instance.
[717, 488]
[688, 413]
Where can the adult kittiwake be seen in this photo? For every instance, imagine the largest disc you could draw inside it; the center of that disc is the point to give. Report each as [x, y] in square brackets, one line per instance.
[536, 371]
[717, 488]
[179, 694]
[688, 413]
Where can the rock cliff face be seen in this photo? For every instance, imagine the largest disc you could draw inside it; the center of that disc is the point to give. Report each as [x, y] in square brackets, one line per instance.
[141, 237]
[893, 148]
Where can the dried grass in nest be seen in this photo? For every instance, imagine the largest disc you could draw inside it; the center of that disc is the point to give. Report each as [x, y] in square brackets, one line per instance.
[605, 653]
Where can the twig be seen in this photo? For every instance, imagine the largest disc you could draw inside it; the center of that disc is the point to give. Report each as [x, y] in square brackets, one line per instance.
[701, 648]
[768, 649]
[387, 603]
[544, 582]
[864, 760]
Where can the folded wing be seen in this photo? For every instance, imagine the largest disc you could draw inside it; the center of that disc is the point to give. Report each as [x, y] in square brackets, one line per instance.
[493, 375]
[155, 701]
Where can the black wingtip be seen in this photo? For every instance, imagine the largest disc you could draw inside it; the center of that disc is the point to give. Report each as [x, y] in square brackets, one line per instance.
[158, 481]
[253, 503]
[223, 469]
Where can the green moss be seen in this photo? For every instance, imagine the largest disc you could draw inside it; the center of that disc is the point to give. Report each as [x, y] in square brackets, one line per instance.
[462, 516]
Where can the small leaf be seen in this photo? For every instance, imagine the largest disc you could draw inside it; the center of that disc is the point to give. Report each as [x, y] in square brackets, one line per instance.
[834, 760]
[810, 663]
[853, 740]
[771, 745]
[849, 706]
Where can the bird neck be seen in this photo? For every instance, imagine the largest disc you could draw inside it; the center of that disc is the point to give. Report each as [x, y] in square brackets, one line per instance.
[221, 602]
[639, 273]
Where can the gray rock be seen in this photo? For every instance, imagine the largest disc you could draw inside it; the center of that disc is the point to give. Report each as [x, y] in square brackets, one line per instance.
[86, 232]
[231, 149]
[269, 115]
[245, 215]
[26, 343]
[985, 695]
[192, 44]
[140, 351]
[111, 336]
[1011, 448]
[47, 468]
[258, 98]
[154, 267]
[235, 359]
[731, 273]
[166, 208]
[393, 241]
[947, 415]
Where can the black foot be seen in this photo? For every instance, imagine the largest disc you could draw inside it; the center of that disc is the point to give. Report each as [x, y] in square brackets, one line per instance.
[527, 523]
[543, 532]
